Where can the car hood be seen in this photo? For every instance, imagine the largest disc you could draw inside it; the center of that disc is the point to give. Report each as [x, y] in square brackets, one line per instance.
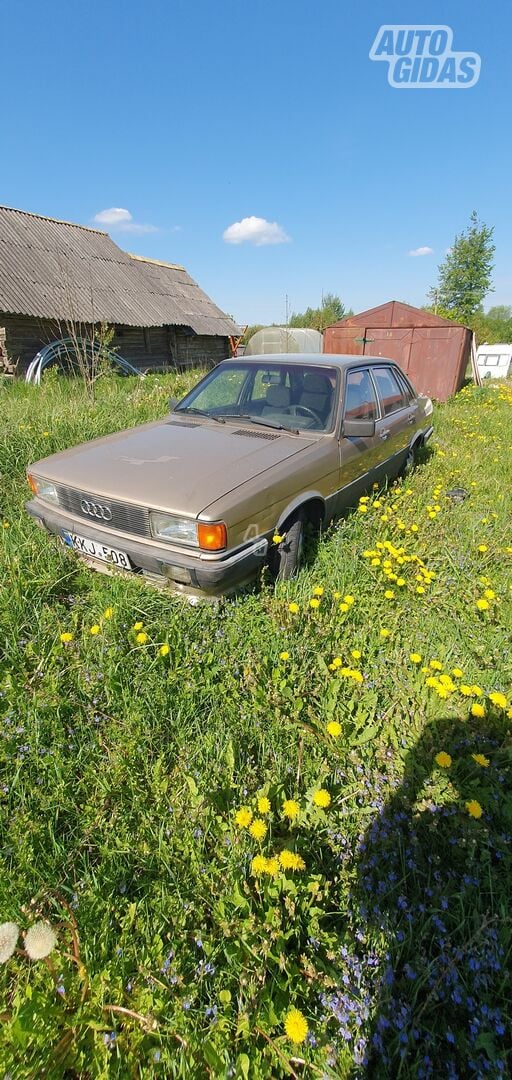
[172, 465]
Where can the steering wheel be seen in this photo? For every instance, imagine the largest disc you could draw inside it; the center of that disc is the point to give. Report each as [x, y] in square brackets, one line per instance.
[303, 410]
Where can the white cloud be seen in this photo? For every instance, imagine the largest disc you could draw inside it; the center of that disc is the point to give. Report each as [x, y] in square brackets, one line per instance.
[255, 230]
[116, 217]
[421, 251]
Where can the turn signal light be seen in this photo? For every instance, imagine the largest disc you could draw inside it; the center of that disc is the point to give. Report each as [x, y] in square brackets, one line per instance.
[212, 537]
[32, 484]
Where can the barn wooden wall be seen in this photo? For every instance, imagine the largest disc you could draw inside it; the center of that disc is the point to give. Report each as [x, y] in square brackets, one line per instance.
[160, 348]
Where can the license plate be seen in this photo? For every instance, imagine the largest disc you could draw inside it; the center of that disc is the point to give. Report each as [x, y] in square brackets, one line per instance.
[95, 550]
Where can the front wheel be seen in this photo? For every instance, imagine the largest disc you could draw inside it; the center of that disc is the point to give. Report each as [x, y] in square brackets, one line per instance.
[290, 553]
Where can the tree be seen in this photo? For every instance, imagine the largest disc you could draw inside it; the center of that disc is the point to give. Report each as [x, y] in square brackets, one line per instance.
[500, 313]
[465, 275]
[331, 309]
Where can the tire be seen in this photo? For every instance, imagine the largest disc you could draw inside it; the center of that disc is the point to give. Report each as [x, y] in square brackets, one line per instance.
[289, 555]
[410, 460]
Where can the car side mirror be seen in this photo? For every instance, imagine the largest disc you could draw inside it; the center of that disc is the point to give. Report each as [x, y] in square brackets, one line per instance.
[362, 429]
[173, 401]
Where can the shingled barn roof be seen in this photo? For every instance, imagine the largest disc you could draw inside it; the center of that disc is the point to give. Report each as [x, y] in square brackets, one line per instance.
[57, 270]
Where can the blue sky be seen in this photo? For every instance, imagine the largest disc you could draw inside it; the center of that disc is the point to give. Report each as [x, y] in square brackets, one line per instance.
[193, 115]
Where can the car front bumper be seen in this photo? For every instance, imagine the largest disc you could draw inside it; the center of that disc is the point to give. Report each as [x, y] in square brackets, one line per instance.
[193, 576]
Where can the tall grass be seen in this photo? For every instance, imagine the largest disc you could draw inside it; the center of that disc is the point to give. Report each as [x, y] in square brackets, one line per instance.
[127, 753]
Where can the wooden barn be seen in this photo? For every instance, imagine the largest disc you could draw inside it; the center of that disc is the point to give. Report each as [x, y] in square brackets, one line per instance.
[54, 274]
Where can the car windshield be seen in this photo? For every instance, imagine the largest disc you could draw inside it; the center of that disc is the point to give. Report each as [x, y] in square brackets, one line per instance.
[296, 397]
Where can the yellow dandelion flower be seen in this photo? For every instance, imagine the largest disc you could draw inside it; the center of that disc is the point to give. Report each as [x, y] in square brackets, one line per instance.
[263, 805]
[141, 638]
[65, 637]
[322, 798]
[415, 658]
[420, 589]
[318, 590]
[138, 625]
[314, 603]
[343, 606]
[466, 690]
[432, 681]
[337, 662]
[414, 528]
[94, 629]
[481, 759]
[363, 509]
[284, 655]
[498, 699]
[389, 594]
[293, 608]
[482, 605]
[476, 690]
[290, 861]
[482, 547]
[348, 599]
[400, 582]
[435, 665]
[384, 633]
[474, 809]
[457, 671]
[443, 760]
[334, 729]
[258, 865]
[164, 649]
[490, 594]
[272, 866]
[356, 654]
[291, 809]
[243, 817]
[108, 613]
[296, 1026]
[258, 829]
[477, 710]
[375, 562]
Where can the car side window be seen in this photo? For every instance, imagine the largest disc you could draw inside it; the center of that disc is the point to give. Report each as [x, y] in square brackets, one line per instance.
[360, 397]
[407, 389]
[390, 393]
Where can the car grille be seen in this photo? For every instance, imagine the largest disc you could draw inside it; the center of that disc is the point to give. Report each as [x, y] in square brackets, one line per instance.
[125, 517]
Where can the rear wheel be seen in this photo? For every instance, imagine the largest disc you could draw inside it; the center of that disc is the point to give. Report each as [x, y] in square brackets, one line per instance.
[290, 553]
[410, 460]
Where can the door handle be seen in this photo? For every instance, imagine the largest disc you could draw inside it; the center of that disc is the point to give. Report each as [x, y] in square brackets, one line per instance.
[412, 419]
[384, 434]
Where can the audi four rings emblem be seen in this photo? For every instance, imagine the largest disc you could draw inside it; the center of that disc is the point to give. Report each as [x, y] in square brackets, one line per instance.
[96, 510]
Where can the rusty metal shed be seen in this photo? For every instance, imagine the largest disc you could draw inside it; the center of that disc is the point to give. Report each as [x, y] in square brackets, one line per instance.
[434, 352]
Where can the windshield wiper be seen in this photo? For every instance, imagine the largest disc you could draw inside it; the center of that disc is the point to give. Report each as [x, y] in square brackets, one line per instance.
[263, 423]
[201, 412]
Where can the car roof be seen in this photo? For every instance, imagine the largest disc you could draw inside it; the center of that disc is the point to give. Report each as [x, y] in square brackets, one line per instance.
[341, 360]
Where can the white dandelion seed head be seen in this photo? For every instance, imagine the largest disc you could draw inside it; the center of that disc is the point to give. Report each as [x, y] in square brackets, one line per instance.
[40, 940]
[9, 933]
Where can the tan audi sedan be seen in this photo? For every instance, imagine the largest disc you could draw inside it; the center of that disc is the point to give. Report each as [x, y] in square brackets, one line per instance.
[263, 446]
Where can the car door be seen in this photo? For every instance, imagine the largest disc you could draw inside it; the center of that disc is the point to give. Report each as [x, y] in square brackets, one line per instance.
[397, 417]
[360, 455]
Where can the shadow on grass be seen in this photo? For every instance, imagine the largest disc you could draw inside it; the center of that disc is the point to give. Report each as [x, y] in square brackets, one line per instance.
[431, 916]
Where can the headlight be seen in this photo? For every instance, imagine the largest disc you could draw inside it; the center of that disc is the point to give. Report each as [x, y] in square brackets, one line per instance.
[429, 408]
[44, 489]
[205, 535]
[177, 530]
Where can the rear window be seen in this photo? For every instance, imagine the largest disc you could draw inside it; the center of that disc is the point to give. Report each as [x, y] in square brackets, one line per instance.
[390, 392]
